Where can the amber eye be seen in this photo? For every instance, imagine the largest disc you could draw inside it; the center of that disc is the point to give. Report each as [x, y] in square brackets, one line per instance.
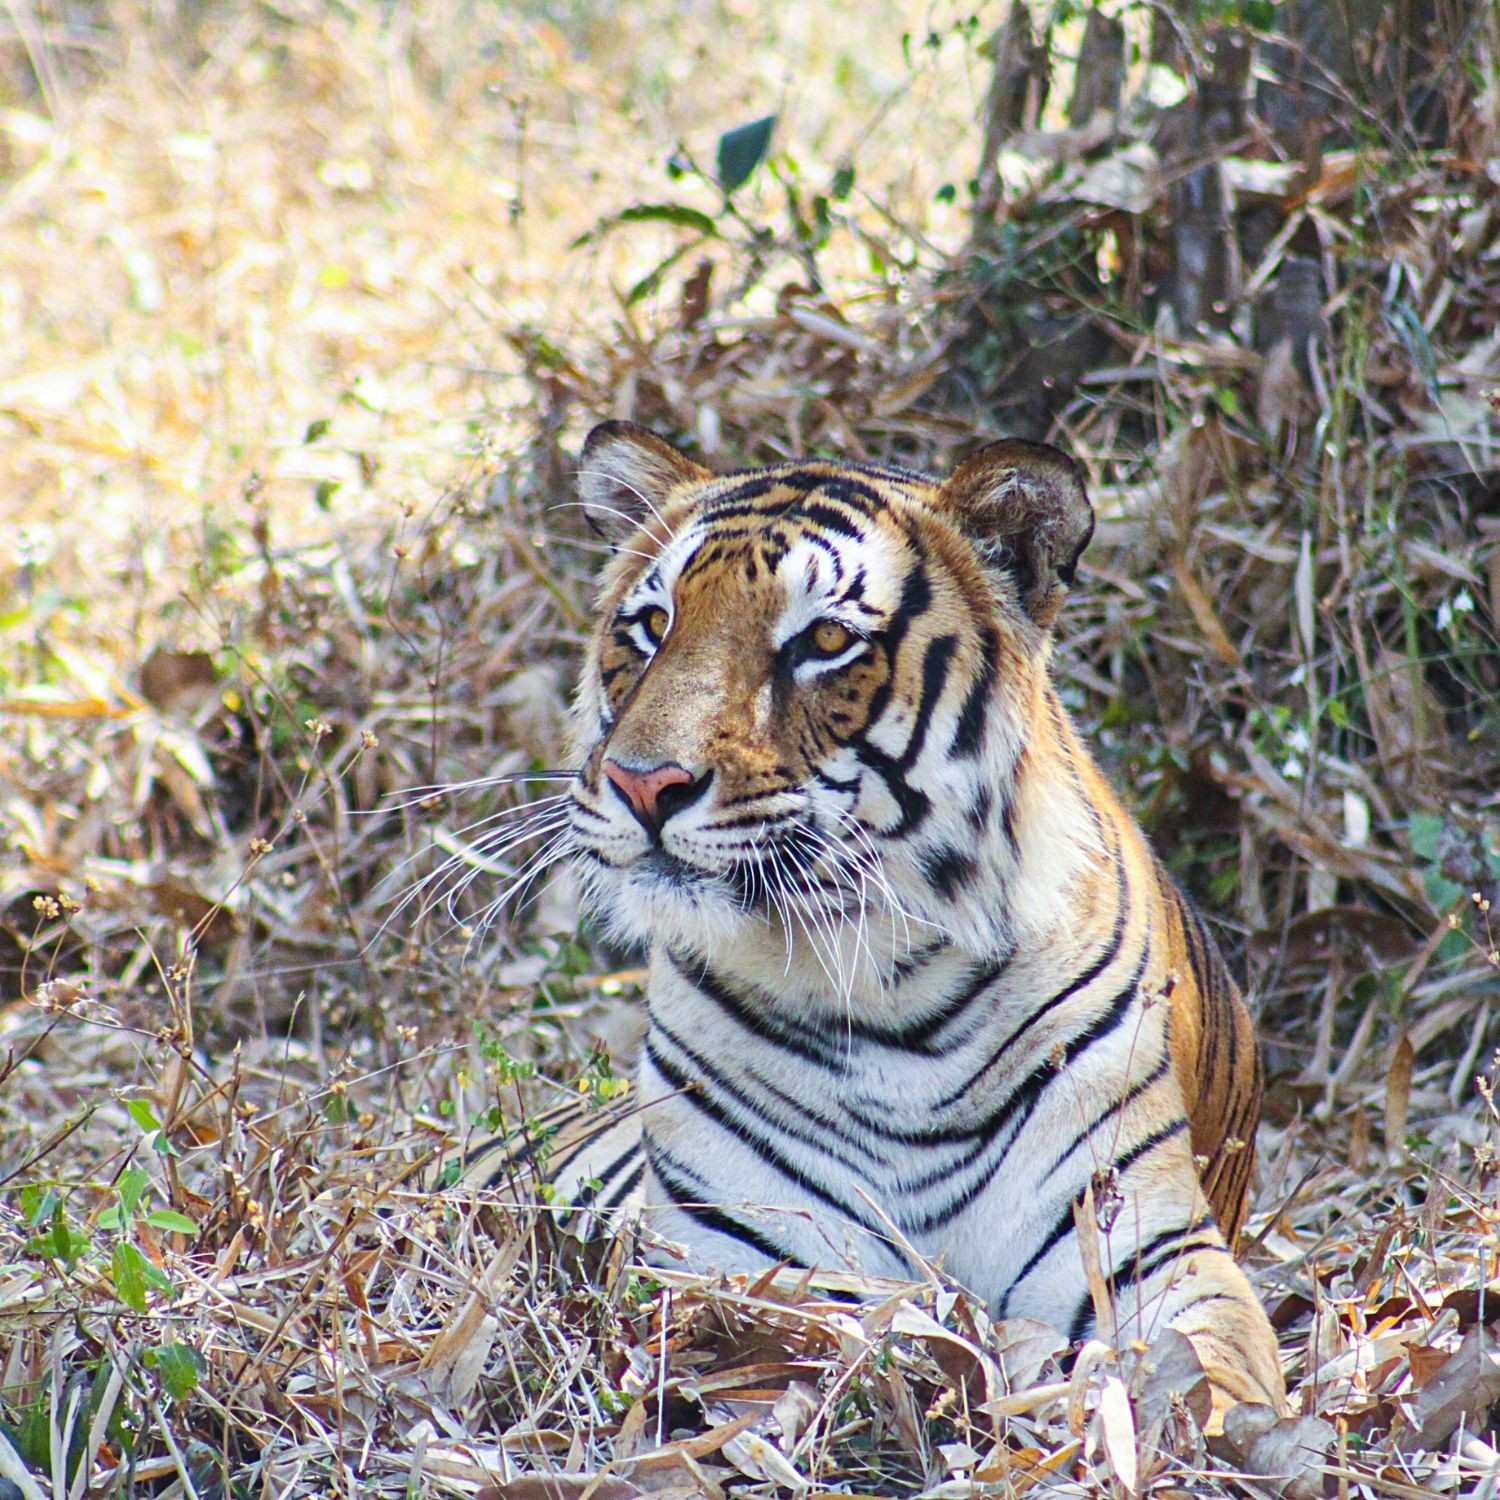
[656, 622]
[829, 637]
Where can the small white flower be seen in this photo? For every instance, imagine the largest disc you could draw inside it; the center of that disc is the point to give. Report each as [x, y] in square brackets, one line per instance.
[1462, 603]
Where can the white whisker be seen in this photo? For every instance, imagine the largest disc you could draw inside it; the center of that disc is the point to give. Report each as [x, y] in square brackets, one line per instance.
[640, 495]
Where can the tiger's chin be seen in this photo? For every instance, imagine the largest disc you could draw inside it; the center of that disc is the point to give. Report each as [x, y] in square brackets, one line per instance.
[662, 898]
[819, 957]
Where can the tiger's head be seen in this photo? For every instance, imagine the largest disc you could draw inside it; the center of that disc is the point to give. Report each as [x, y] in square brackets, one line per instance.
[817, 700]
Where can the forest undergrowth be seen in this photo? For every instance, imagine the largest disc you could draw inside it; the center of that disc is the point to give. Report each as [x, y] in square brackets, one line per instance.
[307, 311]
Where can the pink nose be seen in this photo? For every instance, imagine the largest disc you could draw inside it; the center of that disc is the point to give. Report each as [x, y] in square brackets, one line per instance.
[643, 789]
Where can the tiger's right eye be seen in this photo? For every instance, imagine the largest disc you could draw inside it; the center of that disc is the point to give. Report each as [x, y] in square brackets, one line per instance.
[655, 622]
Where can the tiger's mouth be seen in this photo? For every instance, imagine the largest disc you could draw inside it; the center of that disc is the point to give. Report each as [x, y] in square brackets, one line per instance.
[773, 877]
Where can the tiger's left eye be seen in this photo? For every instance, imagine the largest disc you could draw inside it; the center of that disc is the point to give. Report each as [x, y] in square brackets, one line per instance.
[656, 622]
[829, 638]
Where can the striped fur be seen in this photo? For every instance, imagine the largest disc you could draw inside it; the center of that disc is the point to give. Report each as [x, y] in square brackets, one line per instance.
[916, 978]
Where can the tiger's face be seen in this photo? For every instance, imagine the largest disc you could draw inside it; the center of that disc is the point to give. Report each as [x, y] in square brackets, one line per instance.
[804, 705]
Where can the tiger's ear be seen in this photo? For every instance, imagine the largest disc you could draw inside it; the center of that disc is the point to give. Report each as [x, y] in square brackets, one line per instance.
[625, 473]
[1024, 507]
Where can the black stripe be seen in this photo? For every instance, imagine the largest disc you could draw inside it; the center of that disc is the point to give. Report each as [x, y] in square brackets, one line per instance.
[918, 1037]
[946, 1171]
[1079, 1323]
[608, 1175]
[936, 661]
[627, 1184]
[683, 1193]
[817, 1139]
[1118, 1107]
[1080, 982]
[783, 775]
[1208, 1042]
[1149, 1143]
[1021, 1103]
[750, 502]
[1144, 1263]
[1200, 1301]
[916, 599]
[839, 486]
[820, 1046]
[1144, 1270]
[813, 539]
[1008, 806]
[808, 1044]
[1231, 1027]
[538, 1133]
[752, 819]
[1064, 1223]
[761, 1147]
[834, 785]
[831, 519]
[947, 870]
[979, 813]
[914, 805]
[916, 958]
[969, 735]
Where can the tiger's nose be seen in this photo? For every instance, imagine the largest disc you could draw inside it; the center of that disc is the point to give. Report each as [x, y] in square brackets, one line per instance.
[654, 795]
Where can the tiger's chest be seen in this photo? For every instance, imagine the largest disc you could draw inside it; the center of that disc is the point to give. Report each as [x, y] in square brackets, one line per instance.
[961, 1137]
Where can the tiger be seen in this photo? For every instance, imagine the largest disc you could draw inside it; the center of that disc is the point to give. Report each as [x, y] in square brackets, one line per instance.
[918, 987]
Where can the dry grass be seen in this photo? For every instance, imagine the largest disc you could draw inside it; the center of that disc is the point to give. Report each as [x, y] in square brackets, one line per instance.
[296, 353]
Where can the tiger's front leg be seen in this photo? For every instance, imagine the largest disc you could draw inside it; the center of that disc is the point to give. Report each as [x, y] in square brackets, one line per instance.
[1189, 1281]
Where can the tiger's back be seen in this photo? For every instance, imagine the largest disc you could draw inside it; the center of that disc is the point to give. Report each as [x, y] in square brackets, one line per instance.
[917, 982]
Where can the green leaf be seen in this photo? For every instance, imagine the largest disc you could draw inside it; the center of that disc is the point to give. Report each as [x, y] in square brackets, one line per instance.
[653, 278]
[180, 1368]
[66, 1245]
[59, 1241]
[128, 1267]
[1454, 946]
[141, 1112]
[38, 1203]
[1423, 831]
[315, 430]
[741, 151]
[338, 1109]
[170, 1220]
[667, 213]
[157, 1278]
[843, 182]
[131, 1185]
[326, 490]
[678, 214]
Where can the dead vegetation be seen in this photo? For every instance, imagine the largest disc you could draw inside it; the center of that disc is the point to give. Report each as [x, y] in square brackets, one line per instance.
[298, 355]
